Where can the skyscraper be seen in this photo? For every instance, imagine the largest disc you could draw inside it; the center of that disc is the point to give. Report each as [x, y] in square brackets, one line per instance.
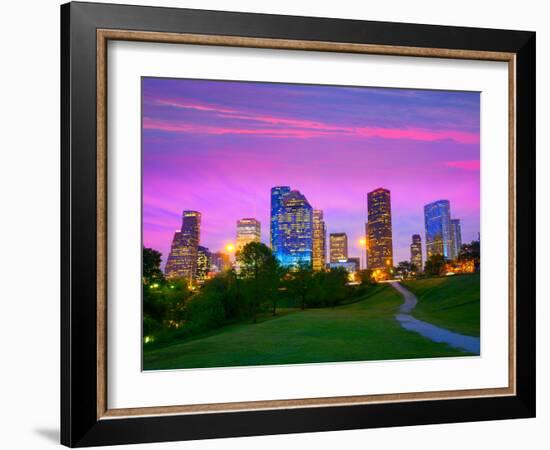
[319, 240]
[456, 237]
[338, 247]
[416, 252]
[277, 195]
[220, 262]
[182, 261]
[379, 230]
[294, 241]
[248, 230]
[204, 261]
[437, 220]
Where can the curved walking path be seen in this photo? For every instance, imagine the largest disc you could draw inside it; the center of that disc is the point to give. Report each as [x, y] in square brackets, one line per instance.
[432, 332]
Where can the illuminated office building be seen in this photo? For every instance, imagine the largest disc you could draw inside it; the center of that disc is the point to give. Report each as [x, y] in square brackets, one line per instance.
[338, 247]
[416, 252]
[182, 261]
[294, 231]
[437, 220]
[379, 230]
[275, 240]
[248, 230]
[319, 240]
[204, 261]
[456, 238]
[349, 266]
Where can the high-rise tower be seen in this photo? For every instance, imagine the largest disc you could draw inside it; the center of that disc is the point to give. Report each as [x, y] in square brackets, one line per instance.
[456, 238]
[379, 230]
[277, 195]
[338, 247]
[416, 252]
[294, 242]
[204, 262]
[182, 261]
[437, 221]
[319, 240]
[248, 230]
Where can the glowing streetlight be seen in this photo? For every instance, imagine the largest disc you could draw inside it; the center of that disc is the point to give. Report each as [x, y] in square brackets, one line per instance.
[229, 248]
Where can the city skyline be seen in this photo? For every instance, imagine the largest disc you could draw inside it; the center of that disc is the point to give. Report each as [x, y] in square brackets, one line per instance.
[219, 147]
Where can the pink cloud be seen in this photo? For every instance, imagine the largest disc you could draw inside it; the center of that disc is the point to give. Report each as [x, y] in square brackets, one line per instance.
[195, 106]
[180, 127]
[420, 134]
[298, 128]
[472, 164]
[416, 134]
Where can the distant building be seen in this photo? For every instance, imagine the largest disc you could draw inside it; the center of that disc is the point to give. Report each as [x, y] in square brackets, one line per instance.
[182, 260]
[295, 231]
[248, 230]
[319, 241]
[350, 266]
[338, 247]
[357, 261]
[456, 238]
[437, 220]
[416, 252]
[275, 238]
[220, 262]
[379, 230]
[204, 262]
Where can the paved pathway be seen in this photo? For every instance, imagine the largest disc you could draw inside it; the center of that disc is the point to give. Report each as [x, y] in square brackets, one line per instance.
[432, 332]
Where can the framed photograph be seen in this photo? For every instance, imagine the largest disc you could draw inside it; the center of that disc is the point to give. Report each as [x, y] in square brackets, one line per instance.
[277, 224]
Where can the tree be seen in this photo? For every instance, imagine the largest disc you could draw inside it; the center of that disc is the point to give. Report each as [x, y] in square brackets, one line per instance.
[405, 269]
[227, 286]
[365, 276]
[335, 286]
[261, 271]
[151, 266]
[434, 264]
[470, 252]
[301, 283]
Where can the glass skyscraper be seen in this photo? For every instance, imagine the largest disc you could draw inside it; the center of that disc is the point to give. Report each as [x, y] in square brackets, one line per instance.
[319, 240]
[182, 261]
[437, 220]
[293, 237]
[456, 237]
[379, 230]
[277, 195]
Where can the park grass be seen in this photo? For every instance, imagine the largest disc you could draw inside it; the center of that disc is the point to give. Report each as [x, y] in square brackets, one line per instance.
[449, 302]
[362, 331]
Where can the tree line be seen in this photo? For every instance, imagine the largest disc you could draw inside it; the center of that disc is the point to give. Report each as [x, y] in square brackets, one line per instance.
[258, 285]
[437, 265]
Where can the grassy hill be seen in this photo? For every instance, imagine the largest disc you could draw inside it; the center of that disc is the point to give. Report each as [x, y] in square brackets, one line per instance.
[365, 330]
[450, 302]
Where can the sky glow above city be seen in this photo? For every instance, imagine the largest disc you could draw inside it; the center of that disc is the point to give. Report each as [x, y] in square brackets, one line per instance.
[218, 148]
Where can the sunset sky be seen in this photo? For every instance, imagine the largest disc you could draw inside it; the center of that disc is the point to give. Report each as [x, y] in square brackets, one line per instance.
[218, 147]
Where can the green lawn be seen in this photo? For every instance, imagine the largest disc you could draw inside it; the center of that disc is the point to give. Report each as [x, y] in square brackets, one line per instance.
[365, 330]
[450, 302]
